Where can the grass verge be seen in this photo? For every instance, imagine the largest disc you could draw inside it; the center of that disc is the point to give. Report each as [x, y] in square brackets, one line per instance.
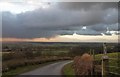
[68, 71]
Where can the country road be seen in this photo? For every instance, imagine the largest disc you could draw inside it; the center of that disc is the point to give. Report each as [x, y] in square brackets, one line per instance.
[51, 69]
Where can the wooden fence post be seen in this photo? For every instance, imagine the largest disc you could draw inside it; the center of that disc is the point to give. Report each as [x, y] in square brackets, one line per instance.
[118, 62]
[93, 54]
[93, 71]
[105, 66]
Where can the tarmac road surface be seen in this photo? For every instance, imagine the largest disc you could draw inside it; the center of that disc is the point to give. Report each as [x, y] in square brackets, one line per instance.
[51, 69]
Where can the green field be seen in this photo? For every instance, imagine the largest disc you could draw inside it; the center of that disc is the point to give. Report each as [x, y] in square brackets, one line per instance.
[113, 61]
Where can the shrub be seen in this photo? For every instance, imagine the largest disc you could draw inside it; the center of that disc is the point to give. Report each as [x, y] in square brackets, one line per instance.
[83, 65]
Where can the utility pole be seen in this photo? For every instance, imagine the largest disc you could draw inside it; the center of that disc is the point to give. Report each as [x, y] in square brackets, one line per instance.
[105, 61]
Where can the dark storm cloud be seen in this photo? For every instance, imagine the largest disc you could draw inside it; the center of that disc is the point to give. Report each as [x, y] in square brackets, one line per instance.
[87, 5]
[103, 27]
[58, 20]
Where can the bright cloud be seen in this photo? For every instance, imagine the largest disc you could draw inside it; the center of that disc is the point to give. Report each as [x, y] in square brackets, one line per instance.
[69, 38]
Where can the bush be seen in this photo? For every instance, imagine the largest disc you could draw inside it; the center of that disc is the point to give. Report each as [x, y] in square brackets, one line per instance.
[83, 65]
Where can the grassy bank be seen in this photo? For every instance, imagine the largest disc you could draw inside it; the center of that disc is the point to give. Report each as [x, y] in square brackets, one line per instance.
[24, 69]
[68, 70]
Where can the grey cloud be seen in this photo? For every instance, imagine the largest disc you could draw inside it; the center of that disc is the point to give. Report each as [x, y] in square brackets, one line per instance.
[99, 27]
[58, 21]
[87, 5]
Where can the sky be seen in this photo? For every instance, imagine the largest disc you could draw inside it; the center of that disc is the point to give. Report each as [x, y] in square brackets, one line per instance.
[59, 21]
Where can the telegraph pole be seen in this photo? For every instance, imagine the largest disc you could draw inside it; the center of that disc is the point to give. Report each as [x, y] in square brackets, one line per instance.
[105, 61]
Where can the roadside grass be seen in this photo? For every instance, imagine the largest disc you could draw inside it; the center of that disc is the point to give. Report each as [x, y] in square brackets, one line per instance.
[24, 69]
[68, 71]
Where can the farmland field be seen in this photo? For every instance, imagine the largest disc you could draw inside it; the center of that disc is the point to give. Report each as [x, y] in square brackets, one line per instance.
[19, 56]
